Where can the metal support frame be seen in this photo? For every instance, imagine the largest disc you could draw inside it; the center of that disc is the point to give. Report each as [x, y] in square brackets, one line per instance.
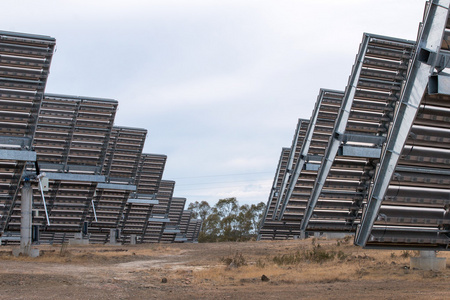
[75, 177]
[114, 186]
[439, 84]
[18, 155]
[428, 42]
[356, 151]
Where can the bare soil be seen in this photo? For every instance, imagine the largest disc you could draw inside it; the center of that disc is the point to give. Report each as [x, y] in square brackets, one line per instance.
[203, 271]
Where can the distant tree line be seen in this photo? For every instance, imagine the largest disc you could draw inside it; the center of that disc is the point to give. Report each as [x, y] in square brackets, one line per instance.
[227, 220]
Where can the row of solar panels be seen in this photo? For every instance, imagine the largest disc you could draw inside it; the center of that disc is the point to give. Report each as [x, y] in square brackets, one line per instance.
[88, 175]
[374, 159]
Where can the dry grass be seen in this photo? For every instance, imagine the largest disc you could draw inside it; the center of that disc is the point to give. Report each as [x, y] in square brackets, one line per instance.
[320, 261]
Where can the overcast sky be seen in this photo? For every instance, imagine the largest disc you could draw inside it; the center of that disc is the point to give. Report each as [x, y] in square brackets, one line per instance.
[219, 85]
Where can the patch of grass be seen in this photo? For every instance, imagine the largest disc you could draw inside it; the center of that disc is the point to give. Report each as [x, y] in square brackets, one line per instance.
[317, 255]
[289, 258]
[405, 254]
[260, 263]
[235, 261]
[341, 255]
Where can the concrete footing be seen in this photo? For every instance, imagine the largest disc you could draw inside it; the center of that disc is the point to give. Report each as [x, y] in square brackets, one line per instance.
[113, 235]
[79, 240]
[132, 239]
[337, 235]
[27, 251]
[428, 261]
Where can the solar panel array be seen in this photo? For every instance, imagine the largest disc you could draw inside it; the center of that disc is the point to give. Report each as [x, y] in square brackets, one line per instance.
[184, 224]
[193, 230]
[172, 228]
[159, 216]
[121, 166]
[24, 67]
[70, 141]
[272, 229]
[316, 137]
[139, 206]
[382, 164]
[90, 178]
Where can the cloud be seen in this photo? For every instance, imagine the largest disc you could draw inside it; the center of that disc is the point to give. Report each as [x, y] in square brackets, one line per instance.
[218, 84]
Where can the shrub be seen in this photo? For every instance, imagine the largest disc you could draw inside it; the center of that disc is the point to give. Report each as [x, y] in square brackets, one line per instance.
[237, 260]
[317, 254]
[405, 254]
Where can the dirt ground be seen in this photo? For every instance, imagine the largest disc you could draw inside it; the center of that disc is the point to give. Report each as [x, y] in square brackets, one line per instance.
[294, 270]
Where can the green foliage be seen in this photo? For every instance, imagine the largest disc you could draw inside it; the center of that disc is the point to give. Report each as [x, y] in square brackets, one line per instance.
[227, 220]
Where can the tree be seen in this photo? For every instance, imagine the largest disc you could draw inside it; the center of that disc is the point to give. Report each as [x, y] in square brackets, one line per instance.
[227, 221]
[200, 210]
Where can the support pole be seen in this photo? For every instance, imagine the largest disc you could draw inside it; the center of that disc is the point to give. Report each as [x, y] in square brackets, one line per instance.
[25, 218]
[25, 223]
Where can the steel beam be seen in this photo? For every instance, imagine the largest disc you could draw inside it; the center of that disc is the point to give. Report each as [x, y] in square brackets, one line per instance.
[357, 151]
[439, 84]
[160, 220]
[75, 177]
[17, 155]
[114, 186]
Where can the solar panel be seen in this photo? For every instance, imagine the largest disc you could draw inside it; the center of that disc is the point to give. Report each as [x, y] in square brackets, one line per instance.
[139, 206]
[184, 224]
[294, 155]
[70, 141]
[359, 133]
[309, 142]
[313, 148]
[172, 228]
[408, 205]
[193, 232]
[97, 177]
[24, 66]
[160, 212]
[120, 168]
[269, 227]
[293, 161]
